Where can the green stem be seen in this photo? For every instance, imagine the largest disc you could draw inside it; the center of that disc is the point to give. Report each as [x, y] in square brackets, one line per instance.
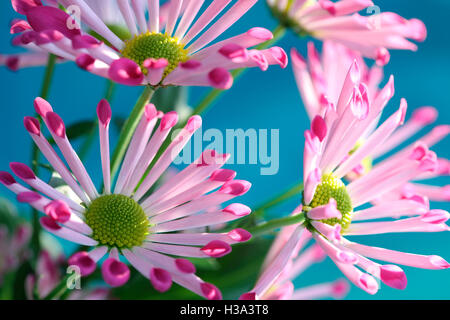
[250, 220]
[46, 82]
[209, 99]
[285, 195]
[59, 290]
[128, 129]
[48, 76]
[276, 223]
[84, 149]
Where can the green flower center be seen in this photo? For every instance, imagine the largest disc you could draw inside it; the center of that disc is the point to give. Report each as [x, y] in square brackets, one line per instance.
[331, 187]
[155, 45]
[117, 221]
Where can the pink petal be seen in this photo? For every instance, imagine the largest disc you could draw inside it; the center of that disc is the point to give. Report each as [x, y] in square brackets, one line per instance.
[319, 127]
[194, 123]
[19, 26]
[425, 115]
[340, 289]
[83, 261]
[56, 124]
[169, 120]
[58, 210]
[393, 276]
[185, 265]
[234, 52]
[85, 41]
[435, 216]
[115, 273]
[44, 18]
[85, 62]
[126, 71]
[382, 57]
[49, 223]
[22, 171]
[48, 36]
[216, 249]
[6, 178]
[220, 78]
[238, 209]
[248, 296]
[160, 279]
[28, 197]
[22, 6]
[240, 235]
[235, 187]
[210, 291]
[104, 112]
[42, 107]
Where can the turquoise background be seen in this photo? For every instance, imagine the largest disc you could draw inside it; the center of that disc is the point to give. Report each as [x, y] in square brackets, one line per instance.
[260, 100]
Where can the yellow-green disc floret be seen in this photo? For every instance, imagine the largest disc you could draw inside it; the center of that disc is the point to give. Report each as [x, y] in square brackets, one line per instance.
[331, 187]
[117, 221]
[155, 45]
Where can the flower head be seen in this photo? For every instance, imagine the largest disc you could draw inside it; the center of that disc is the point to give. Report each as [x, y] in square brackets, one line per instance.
[339, 21]
[160, 52]
[128, 219]
[331, 206]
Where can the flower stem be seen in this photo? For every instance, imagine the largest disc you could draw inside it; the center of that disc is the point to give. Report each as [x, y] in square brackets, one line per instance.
[84, 149]
[213, 94]
[59, 290]
[49, 70]
[276, 223]
[250, 220]
[48, 76]
[285, 195]
[128, 129]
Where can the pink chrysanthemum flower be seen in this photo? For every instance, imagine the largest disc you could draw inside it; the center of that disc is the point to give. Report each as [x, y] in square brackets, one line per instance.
[175, 53]
[339, 21]
[330, 206]
[129, 220]
[282, 287]
[48, 276]
[107, 11]
[320, 79]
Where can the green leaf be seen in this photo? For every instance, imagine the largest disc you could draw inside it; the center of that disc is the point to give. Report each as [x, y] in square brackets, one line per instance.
[77, 130]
